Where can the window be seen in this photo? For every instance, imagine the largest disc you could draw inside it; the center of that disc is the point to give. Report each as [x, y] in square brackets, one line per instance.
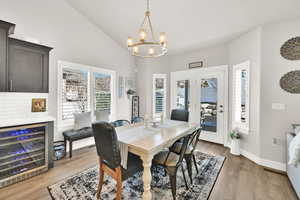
[82, 89]
[159, 94]
[182, 97]
[102, 96]
[241, 93]
[74, 92]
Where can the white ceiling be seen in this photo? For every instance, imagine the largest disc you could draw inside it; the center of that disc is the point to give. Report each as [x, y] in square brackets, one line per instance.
[189, 24]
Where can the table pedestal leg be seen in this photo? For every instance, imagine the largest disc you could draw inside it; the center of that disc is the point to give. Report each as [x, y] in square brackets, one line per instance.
[147, 160]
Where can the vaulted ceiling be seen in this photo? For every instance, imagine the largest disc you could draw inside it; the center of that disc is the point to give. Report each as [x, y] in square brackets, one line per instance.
[189, 24]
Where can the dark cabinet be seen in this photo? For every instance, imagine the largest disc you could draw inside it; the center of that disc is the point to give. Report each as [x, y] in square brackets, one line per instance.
[24, 66]
[28, 67]
[5, 29]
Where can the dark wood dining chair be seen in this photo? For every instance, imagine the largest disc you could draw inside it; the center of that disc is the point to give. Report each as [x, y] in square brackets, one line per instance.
[120, 122]
[180, 115]
[110, 158]
[189, 155]
[171, 162]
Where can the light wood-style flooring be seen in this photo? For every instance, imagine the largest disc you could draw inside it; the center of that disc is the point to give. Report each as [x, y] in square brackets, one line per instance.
[240, 178]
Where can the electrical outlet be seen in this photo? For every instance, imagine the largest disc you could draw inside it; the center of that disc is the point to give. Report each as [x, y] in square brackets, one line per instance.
[278, 106]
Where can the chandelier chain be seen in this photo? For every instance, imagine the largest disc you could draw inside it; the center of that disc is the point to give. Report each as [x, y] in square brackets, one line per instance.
[148, 5]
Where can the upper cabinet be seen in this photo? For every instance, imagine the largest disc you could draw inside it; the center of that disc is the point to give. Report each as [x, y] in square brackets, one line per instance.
[5, 29]
[26, 65]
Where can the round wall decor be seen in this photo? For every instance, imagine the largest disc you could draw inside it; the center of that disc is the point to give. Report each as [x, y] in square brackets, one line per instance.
[290, 82]
[291, 49]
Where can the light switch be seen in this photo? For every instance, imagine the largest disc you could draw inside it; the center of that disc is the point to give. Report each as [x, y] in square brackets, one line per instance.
[278, 106]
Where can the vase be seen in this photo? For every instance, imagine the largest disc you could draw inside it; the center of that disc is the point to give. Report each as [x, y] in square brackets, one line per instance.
[235, 147]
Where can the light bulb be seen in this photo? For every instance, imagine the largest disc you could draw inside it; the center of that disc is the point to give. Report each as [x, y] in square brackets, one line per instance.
[162, 38]
[129, 41]
[143, 35]
[151, 51]
[135, 50]
[164, 44]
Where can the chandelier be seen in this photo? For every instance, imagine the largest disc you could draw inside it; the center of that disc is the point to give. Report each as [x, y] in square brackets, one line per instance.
[147, 46]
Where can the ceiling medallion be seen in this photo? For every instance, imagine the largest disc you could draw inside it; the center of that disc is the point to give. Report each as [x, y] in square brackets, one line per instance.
[147, 45]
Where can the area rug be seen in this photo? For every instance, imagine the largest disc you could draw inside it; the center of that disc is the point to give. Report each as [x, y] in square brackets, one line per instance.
[83, 186]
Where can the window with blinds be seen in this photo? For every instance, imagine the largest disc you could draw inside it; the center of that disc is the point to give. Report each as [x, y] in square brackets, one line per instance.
[74, 92]
[241, 96]
[159, 94]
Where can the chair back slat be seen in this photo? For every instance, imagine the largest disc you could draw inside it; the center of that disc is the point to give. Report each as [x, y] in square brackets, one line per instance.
[185, 143]
[195, 138]
[107, 145]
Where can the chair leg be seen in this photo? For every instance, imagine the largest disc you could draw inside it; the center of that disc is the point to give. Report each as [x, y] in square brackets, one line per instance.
[71, 148]
[65, 146]
[186, 185]
[195, 163]
[173, 185]
[188, 159]
[119, 184]
[101, 179]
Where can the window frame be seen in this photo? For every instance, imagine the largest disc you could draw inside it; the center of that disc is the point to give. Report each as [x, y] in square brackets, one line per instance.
[242, 127]
[91, 85]
[157, 76]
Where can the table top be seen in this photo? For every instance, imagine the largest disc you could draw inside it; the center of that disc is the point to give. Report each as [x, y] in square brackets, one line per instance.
[152, 140]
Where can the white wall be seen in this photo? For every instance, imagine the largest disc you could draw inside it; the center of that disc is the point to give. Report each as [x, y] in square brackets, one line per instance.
[146, 68]
[275, 123]
[73, 38]
[212, 56]
[247, 47]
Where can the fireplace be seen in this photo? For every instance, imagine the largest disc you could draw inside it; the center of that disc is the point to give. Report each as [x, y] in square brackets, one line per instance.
[23, 152]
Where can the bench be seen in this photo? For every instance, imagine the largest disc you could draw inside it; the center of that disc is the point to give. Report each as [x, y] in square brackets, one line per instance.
[74, 135]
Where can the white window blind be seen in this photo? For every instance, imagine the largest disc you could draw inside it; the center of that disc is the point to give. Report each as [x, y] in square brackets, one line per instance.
[159, 94]
[74, 92]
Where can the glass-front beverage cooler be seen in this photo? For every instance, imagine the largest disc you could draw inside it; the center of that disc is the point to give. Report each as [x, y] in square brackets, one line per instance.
[23, 152]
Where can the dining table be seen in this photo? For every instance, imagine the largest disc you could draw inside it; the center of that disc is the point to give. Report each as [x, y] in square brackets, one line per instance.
[147, 140]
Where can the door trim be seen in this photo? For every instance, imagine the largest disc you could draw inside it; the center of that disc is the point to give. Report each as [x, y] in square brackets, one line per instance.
[186, 74]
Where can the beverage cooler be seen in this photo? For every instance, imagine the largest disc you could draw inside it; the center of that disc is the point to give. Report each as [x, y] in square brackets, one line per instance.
[23, 152]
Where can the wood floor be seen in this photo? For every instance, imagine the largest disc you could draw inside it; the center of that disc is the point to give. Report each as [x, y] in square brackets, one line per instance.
[240, 179]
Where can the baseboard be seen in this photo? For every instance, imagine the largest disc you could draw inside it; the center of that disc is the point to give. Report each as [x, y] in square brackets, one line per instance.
[264, 162]
[273, 165]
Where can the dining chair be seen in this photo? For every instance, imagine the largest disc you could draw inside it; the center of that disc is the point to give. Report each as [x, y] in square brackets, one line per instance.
[137, 120]
[189, 155]
[171, 162]
[110, 158]
[120, 122]
[180, 115]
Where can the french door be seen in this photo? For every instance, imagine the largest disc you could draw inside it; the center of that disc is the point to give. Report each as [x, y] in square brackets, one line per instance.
[203, 92]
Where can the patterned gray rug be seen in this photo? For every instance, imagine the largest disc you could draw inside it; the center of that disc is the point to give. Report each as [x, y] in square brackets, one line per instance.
[83, 186]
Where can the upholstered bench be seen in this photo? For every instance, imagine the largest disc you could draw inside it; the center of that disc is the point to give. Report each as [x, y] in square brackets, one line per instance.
[74, 135]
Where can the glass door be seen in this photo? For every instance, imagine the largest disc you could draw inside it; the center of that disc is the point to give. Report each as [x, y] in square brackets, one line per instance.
[203, 92]
[211, 106]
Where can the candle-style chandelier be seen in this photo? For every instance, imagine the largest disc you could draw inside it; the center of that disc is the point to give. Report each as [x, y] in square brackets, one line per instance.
[147, 46]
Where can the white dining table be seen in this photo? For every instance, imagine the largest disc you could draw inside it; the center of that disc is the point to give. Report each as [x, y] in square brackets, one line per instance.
[148, 141]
